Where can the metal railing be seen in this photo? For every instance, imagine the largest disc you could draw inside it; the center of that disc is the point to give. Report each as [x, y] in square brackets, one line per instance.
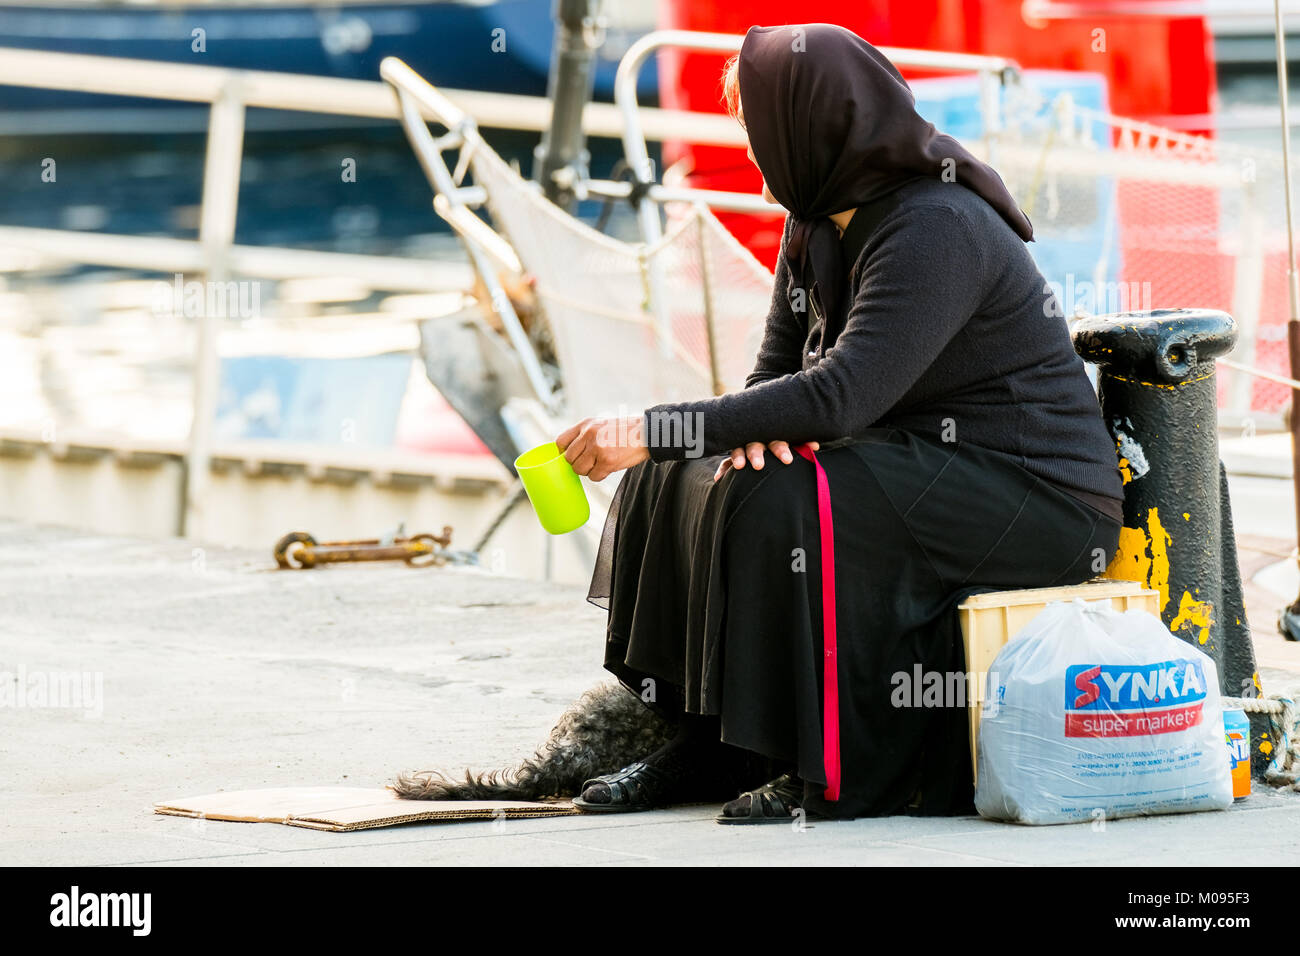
[228, 94]
[412, 95]
[994, 73]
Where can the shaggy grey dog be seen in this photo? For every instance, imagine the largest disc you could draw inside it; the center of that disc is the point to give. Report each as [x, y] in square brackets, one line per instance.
[607, 729]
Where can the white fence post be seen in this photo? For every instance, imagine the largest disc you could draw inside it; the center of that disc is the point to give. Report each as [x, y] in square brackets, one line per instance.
[1247, 297]
[216, 236]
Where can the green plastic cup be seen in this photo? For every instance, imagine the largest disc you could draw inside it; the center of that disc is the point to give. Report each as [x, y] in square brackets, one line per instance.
[554, 488]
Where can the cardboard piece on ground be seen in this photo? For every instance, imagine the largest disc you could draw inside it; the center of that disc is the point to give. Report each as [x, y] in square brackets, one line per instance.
[347, 808]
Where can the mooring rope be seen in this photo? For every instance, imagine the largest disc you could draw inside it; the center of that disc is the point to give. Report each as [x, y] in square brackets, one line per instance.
[1284, 769]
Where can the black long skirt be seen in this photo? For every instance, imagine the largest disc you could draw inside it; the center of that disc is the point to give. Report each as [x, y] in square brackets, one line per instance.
[714, 596]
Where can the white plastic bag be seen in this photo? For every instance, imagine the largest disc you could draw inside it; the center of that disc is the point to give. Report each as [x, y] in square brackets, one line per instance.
[1090, 711]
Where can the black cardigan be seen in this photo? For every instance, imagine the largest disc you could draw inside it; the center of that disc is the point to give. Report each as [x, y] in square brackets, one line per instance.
[951, 331]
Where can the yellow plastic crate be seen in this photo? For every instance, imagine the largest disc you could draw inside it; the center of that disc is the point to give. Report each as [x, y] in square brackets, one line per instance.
[990, 620]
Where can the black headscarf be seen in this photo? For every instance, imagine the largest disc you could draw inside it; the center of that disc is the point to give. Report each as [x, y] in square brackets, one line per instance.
[834, 125]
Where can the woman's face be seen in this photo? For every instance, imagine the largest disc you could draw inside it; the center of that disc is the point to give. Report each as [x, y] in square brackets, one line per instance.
[749, 151]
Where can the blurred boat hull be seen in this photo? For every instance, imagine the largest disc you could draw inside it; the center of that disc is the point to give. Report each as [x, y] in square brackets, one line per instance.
[502, 46]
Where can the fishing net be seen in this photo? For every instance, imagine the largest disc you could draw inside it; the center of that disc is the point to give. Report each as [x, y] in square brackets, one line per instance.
[634, 325]
[1131, 216]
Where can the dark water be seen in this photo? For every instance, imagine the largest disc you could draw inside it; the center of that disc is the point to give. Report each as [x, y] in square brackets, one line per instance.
[292, 188]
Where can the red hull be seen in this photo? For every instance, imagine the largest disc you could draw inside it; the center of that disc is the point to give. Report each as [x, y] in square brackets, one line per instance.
[1157, 69]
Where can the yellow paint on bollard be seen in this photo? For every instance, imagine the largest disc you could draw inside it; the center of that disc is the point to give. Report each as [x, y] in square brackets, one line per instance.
[1125, 469]
[1172, 388]
[1143, 555]
[1194, 616]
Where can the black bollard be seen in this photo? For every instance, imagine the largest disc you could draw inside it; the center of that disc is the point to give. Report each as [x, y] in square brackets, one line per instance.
[1157, 391]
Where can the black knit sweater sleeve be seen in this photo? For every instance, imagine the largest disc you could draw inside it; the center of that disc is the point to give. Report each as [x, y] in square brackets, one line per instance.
[781, 351]
[923, 278]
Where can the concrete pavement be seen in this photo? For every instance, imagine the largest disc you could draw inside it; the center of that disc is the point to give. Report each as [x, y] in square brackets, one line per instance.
[221, 674]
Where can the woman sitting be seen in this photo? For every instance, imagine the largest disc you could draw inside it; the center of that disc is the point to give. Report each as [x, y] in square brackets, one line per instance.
[917, 428]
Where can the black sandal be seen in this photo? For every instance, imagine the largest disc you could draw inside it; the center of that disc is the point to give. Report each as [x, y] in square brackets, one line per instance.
[638, 786]
[774, 802]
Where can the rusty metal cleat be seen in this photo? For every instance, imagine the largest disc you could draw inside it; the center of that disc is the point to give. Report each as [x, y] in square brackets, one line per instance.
[299, 550]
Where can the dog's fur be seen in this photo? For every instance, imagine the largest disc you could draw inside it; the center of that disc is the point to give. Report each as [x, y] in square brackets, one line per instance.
[607, 729]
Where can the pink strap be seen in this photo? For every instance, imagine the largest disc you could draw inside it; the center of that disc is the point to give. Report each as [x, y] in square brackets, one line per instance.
[830, 676]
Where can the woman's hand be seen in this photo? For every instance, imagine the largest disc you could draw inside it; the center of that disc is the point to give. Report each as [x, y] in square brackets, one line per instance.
[598, 447]
[753, 452]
